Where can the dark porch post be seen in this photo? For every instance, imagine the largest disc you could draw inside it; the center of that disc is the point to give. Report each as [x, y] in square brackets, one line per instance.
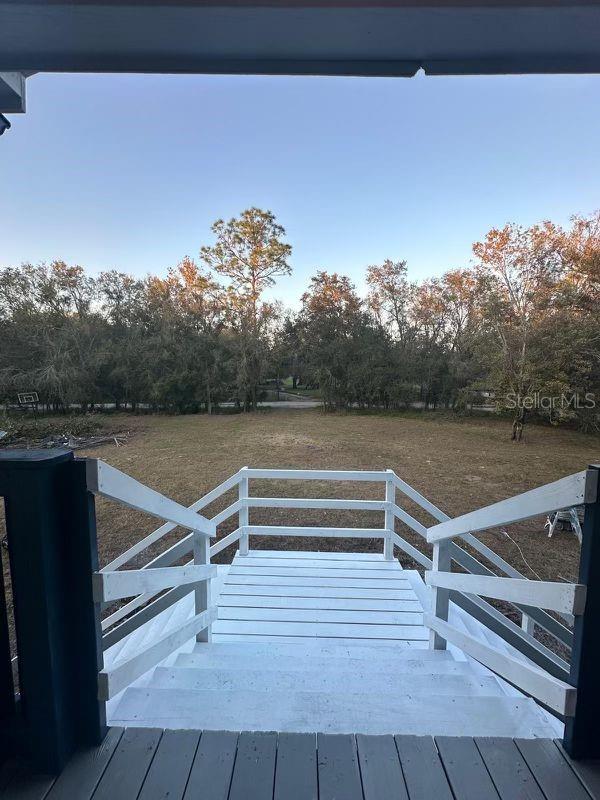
[50, 520]
[7, 687]
[582, 739]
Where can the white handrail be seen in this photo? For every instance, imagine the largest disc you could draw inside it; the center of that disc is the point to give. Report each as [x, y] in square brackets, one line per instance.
[153, 537]
[225, 541]
[459, 555]
[568, 598]
[112, 681]
[110, 482]
[552, 692]
[344, 533]
[225, 486]
[564, 493]
[297, 502]
[133, 605]
[413, 523]
[109, 586]
[227, 512]
[317, 474]
[418, 498]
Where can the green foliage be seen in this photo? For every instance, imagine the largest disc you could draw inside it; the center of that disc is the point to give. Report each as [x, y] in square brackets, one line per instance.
[522, 322]
[178, 344]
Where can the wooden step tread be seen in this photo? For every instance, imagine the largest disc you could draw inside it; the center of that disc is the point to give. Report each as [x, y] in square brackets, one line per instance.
[408, 644]
[331, 681]
[385, 663]
[322, 615]
[375, 713]
[371, 650]
[322, 629]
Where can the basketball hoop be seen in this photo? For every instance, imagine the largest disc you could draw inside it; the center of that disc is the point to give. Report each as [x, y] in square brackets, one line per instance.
[28, 398]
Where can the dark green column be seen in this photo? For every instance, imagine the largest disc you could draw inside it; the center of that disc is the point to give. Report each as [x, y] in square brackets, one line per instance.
[51, 528]
[582, 737]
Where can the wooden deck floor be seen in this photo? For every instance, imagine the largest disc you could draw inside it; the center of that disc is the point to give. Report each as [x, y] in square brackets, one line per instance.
[292, 595]
[149, 764]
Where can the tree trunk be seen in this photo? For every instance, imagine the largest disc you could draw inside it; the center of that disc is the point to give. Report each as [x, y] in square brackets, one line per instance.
[518, 425]
[208, 397]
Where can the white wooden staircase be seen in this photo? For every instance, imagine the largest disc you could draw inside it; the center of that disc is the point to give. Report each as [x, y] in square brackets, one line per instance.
[329, 642]
[335, 642]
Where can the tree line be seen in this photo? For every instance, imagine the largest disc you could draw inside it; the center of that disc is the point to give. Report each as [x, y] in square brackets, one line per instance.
[519, 326]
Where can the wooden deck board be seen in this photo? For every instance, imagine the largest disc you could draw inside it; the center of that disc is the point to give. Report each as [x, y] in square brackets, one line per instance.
[316, 562]
[24, 786]
[321, 603]
[554, 775]
[587, 770]
[127, 769]
[416, 644]
[270, 766]
[511, 775]
[359, 582]
[339, 773]
[341, 571]
[211, 771]
[380, 768]
[170, 767]
[85, 769]
[465, 769]
[320, 629]
[254, 770]
[423, 771]
[308, 596]
[296, 770]
[352, 592]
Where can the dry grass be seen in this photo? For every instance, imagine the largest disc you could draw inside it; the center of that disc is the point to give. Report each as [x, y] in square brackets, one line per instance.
[459, 464]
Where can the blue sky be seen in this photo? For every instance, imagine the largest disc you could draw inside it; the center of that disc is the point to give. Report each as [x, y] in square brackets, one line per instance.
[129, 172]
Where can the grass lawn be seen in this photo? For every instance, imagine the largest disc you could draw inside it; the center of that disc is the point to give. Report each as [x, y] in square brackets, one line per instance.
[458, 463]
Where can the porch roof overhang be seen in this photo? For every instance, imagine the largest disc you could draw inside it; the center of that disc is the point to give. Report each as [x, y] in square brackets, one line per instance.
[302, 37]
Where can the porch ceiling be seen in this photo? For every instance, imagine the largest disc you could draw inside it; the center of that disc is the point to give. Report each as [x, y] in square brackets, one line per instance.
[329, 37]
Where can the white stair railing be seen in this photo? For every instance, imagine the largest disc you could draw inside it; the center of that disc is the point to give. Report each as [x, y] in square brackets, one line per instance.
[568, 599]
[486, 613]
[104, 480]
[379, 476]
[158, 575]
[147, 604]
[153, 594]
